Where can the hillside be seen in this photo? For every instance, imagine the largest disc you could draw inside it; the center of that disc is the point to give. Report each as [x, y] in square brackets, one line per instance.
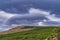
[42, 33]
[16, 29]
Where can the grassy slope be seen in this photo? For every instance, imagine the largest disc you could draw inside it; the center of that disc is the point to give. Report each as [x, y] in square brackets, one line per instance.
[58, 31]
[35, 34]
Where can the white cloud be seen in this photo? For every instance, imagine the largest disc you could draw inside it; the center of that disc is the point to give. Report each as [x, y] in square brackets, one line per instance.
[51, 17]
[32, 12]
[44, 20]
[5, 14]
[38, 11]
[41, 24]
[4, 29]
[46, 13]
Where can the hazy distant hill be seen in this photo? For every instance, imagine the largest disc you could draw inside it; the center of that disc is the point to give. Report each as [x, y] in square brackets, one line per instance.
[16, 29]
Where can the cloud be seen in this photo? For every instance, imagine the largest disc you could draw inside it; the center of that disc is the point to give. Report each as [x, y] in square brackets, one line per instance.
[29, 12]
[34, 17]
[41, 24]
[38, 11]
[22, 6]
[4, 29]
[52, 19]
[5, 14]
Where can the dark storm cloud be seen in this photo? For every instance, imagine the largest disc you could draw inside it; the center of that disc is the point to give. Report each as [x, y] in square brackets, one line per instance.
[28, 19]
[22, 6]
[29, 12]
[34, 16]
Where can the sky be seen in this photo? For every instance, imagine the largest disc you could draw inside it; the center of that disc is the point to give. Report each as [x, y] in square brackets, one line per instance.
[29, 13]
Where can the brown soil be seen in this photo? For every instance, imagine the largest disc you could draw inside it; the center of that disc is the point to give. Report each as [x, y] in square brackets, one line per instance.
[16, 29]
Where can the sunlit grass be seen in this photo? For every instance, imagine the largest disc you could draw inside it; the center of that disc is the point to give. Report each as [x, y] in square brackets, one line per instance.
[35, 34]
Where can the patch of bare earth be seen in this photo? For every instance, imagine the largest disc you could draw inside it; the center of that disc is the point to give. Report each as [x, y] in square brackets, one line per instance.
[16, 29]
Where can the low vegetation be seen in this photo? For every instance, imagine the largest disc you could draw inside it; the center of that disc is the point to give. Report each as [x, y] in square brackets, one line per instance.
[40, 33]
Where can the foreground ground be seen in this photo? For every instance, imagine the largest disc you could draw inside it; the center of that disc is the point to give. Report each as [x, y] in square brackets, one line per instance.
[42, 33]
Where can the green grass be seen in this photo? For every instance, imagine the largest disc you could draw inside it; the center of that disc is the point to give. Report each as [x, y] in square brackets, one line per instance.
[35, 34]
[58, 31]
